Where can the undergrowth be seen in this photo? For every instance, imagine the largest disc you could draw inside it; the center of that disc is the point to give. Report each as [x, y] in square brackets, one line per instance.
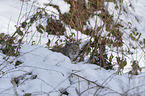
[104, 47]
[103, 39]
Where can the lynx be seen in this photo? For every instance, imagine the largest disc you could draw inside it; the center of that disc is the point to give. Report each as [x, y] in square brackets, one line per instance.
[70, 49]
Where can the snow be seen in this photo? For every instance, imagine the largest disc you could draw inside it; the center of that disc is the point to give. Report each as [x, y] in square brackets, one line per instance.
[64, 7]
[94, 22]
[5, 18]
[55, 72]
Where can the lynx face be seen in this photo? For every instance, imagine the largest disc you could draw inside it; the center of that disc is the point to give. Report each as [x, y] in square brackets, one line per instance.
[72, 50]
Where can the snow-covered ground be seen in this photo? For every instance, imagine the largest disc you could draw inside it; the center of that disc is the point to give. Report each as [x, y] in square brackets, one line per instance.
[47, 73]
